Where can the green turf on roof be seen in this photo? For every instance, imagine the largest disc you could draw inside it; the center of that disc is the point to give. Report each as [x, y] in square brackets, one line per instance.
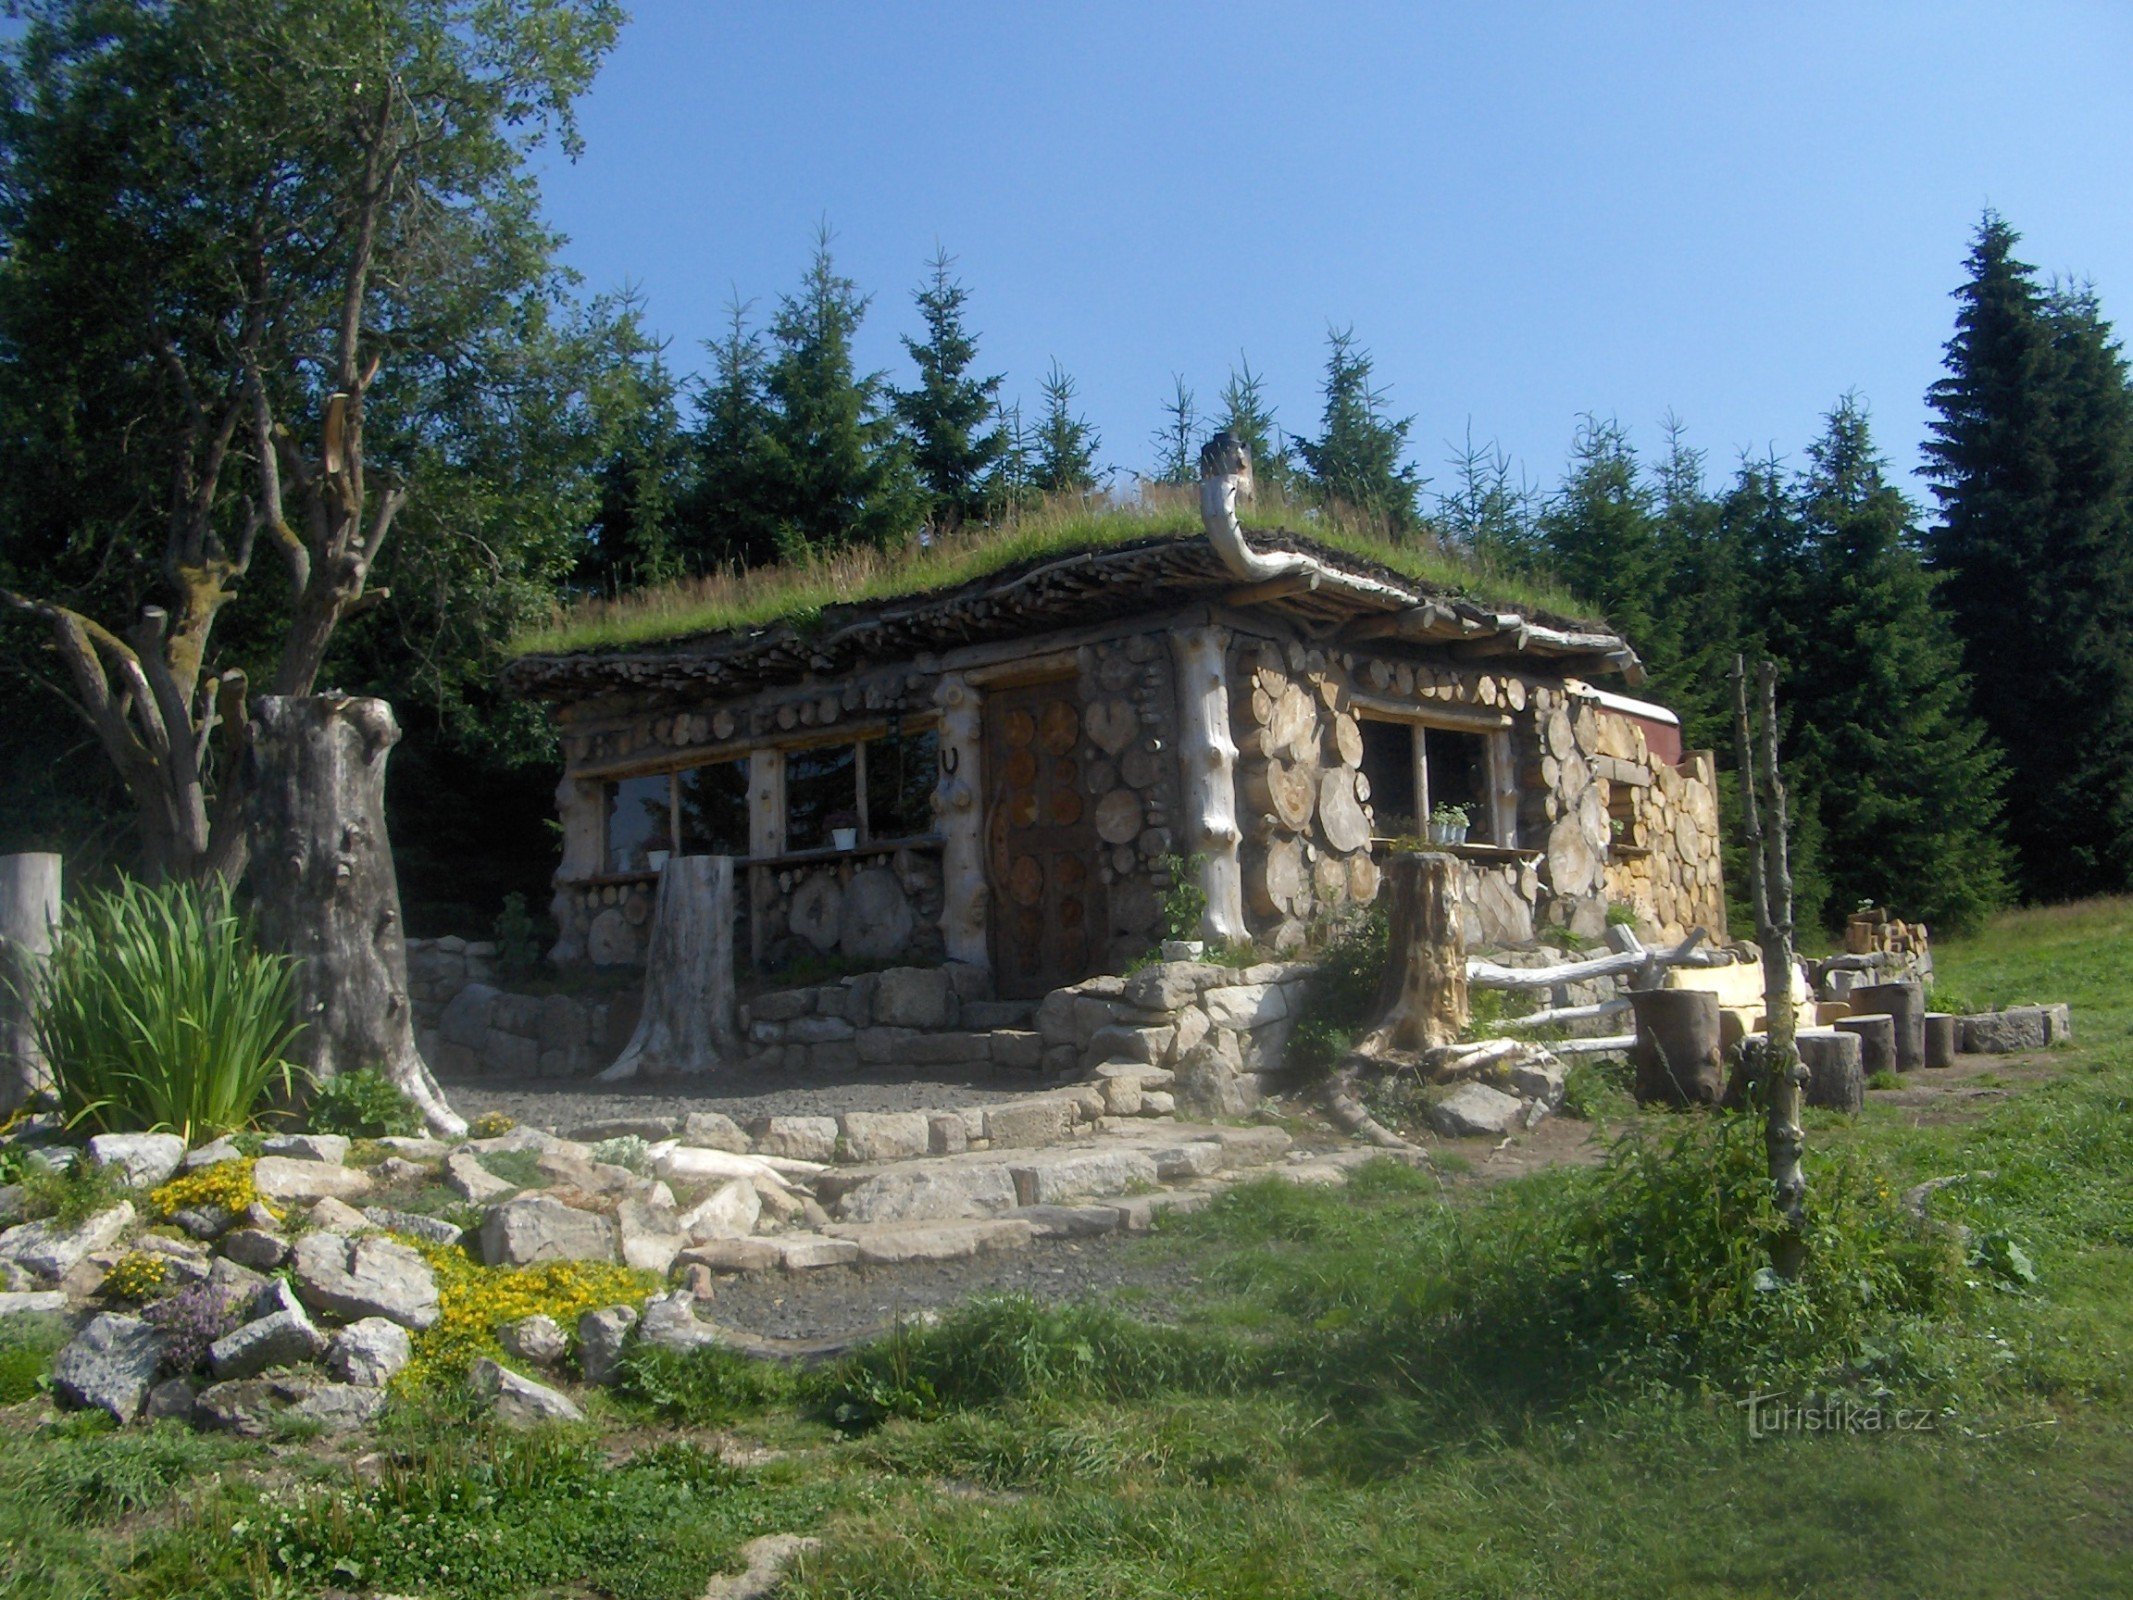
[797, 593]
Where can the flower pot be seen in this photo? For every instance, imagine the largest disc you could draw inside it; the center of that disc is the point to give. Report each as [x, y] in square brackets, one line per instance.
[844, 838]
[656, 860]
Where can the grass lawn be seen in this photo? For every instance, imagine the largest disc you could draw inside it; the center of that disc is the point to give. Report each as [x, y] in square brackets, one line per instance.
[1530, 1388]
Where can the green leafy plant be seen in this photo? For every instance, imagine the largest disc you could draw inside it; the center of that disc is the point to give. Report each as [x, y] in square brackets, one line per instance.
[518, 937]
[1185, 901]
[362, 1105]
[1341, 995]
[1621, 915]
[701, 1388]
[161, 1011]
[1450, 816]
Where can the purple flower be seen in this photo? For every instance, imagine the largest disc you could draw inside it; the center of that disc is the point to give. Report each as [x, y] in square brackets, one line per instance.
[191, 1320]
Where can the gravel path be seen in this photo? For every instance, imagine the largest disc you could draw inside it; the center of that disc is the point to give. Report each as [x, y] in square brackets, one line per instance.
[741, 1094]
[1149, 1279]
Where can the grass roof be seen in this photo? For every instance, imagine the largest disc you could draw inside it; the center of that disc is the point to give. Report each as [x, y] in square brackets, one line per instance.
[797, 593]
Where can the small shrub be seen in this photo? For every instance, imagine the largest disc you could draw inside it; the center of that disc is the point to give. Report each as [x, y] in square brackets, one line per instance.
[491, 1125]
[227, 1184]
[71, 1193]
[1016, 1347]
[1596, 1087]
[1621, 914]
[138, 1276]
[518, 937]
[627, 1151]
[519, 1168]
[1884, 1079]
[191, 1320]
[161, 1011]
[1185, 901]
[703, 1388]
[1341, 995]
[27, 1345]
[474, 1301]
[362, 1105]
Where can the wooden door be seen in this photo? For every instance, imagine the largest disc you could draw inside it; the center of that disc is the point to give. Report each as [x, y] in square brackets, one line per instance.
[1040, 845]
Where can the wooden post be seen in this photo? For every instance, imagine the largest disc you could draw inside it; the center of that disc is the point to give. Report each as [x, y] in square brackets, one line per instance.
[1677, 1057]
[958, 816]
[323, 882]
[1835, 1080]
[29, 913]
[1770, 880]
[1422, 1003]
[687, 1024]
[1208, 758]
[1940, 1033]
[1905, 1003]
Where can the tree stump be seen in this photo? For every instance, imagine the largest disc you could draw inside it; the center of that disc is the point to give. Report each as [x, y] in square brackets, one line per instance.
[1422, 1002]
[29, 912]
[1904, 1004]
[323, 883]
[1940, 1031]
[1834, 1076]
[686, 1025]
[1677, 1057]
[1877, 1041]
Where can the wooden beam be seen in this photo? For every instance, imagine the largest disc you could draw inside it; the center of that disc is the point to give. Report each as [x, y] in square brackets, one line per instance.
[1281, 588]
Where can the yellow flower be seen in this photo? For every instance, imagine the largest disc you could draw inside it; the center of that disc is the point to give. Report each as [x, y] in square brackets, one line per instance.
[227, 1184]
[137, 1276]
[474, 1301]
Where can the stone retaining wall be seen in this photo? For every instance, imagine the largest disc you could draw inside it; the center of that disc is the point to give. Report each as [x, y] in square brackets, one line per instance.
[468, 1025]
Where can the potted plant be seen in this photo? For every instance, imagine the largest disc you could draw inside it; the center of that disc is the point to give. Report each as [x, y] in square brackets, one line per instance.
[844, 830]
[1448, 825]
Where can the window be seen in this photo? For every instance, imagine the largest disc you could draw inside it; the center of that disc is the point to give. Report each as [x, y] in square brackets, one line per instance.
[881, 787]
[1389, 764]
[1414, 768]
[711, 805]
[1458, 775]
[639, 820]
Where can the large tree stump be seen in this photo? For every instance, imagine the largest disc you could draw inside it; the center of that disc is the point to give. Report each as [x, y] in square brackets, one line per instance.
[1940, 1032]
[29, 912]
[1904, 1003]
[1677, 1054]
[1422, 1003]
[1835, 1080]
[324, 887]
[1877, 1041]
[686, 1025]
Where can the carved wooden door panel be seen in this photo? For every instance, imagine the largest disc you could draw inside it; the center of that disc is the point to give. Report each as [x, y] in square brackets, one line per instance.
[1040, 845]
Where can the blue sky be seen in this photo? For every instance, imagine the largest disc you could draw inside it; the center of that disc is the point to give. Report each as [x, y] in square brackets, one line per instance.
[1732, 211]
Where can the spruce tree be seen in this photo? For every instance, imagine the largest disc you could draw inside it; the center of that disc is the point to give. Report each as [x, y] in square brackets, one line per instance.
[726, 517]
[1177, 441]
[2031, 458]
[633, 537]
[944, 416]
[1356, 458]
[835, 473]
[1601, 534]
[1487, 511]
[1888, 752]
[1063, 457]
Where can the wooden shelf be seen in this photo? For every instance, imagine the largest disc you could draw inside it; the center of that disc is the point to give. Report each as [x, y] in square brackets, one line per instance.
[791, 858]
[1498, 853]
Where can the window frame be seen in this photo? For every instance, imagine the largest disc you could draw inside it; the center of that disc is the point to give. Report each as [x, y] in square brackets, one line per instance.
[1501, 800]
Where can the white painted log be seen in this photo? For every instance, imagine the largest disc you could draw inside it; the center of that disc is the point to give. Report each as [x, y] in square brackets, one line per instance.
[956, 813]
[1563, 1016]
[1606, 1045]
[1208, 756]
[1488, 975]
[686, 1025]
[29, 912]
[579, 804]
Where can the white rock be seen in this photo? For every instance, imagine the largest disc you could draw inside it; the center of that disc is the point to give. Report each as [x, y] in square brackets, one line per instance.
[51, 1249]
[519, 1400]
[538, 1339]
[110, 1365]
[885, 1135]
[143, 1159]
[539, 1227]
[923, 1191]
[470, 1180]
[650, 1234]
[601, 1335]
[212, 1155]
[682, 1163]
[1540, 1080]
[331, 1147]
[368, 1353]
[1245, 1005]
[670, 1322]
[280, 1340]
[368, 1276]
[728, 1212]
[280, 1178]
[714, 1131]
[31, 1302]
[337, 1216]
[1060, 1179]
